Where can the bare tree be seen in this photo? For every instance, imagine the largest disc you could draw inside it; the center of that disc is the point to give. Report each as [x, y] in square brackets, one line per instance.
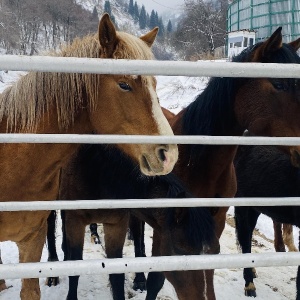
[202, 28]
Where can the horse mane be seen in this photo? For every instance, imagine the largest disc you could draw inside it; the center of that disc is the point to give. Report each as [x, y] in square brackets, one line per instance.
[212, 113]
[23, 104]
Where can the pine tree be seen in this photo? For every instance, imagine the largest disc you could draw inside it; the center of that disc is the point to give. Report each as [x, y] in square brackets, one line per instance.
[107, 7]
[148, 20]
[131, 8]
[143, 18]
[156, 19]
[169, 27]
[161, 26]
[152, 22]
[94, 16]
[136, 14]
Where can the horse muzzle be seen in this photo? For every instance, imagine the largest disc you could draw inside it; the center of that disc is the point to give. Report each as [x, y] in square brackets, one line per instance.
[160, 161]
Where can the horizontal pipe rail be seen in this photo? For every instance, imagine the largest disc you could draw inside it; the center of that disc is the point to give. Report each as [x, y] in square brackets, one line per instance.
[147, 264]
[144, 139]
[147, 67]
[145, 203]
[136, 67]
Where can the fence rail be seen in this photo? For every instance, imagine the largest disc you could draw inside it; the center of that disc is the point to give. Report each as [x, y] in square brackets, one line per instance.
[146, 203]
[148, 264]
[147, 67]
[168, 68]
[144, 139]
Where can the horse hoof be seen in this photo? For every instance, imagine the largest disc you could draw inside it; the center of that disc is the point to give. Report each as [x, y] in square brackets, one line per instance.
[139, 286]
[250, 290]
[250, 293]
[52, 281]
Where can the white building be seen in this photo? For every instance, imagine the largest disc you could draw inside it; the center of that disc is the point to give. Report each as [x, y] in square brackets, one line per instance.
[239, 40]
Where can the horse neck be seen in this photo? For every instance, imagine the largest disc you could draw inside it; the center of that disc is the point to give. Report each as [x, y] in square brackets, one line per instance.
[203, 168]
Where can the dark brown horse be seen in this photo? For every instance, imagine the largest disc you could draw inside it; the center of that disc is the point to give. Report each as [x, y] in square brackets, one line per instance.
[100, 172]
[74, 103]
[264, 171]
[228, 106]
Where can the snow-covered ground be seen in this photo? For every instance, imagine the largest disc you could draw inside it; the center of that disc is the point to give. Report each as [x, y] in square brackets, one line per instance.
[273, 283]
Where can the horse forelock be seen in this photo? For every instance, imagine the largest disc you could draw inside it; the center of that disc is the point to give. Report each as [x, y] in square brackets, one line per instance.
[198, 223]
[198, 226]
[23, 104]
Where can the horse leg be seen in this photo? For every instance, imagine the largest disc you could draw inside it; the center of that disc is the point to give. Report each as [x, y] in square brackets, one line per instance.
[288, 237]
[73, 240]
[278, 238]
[245, 219]
[30, 250]
[137, 228]
[52, 254]
[2, 281]
[155, 280]
[94, 234]
[220, 220]
[114, 237]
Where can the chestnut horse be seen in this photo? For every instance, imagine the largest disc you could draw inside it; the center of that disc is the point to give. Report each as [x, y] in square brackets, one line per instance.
[264, 171]
[228, 106]
[74, 103]
[101, 172]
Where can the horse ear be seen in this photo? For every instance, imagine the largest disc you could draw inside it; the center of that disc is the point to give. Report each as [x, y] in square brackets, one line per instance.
[107, 35]
[295, 44]
[149, 37]
[273, 43]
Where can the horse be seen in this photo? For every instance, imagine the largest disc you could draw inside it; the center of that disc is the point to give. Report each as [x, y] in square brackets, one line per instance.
[229, 106]
[103, 172]
[264, 171]
[43, 102]
[283, 236]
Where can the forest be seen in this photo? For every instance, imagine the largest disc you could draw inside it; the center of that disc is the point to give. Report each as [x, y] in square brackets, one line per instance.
[28, 27]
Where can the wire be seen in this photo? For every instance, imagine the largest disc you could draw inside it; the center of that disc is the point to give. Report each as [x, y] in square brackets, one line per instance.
[163, 5]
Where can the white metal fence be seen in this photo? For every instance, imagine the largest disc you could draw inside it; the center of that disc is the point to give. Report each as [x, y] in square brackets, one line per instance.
[85, 65]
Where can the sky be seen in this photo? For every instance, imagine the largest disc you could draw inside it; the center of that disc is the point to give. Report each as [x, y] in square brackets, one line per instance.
[160, 5]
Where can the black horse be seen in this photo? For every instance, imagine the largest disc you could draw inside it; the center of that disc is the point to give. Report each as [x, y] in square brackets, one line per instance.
[264, 171]
[103, 172]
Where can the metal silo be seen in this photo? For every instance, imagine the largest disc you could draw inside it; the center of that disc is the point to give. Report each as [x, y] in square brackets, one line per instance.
[264, 17]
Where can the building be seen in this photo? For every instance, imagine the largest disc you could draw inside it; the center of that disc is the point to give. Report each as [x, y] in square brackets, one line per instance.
[263, 17]
[239, 40]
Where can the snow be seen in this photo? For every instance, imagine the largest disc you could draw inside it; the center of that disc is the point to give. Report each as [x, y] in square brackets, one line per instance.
[274, 283]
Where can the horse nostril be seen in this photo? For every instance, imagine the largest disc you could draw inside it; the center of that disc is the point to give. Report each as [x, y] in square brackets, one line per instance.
[145, 163]
[161, 154]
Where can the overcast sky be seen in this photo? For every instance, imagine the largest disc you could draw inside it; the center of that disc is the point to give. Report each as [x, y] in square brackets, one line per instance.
[160, 5]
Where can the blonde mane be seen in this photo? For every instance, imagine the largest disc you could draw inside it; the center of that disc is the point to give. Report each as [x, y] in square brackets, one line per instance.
[23, 104]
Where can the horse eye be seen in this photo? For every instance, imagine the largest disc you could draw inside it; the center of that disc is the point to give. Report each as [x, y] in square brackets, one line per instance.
[125, 86]
[280, 86]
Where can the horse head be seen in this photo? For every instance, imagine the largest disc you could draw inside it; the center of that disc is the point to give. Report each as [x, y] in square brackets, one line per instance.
[274, 105]
[131, 101]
